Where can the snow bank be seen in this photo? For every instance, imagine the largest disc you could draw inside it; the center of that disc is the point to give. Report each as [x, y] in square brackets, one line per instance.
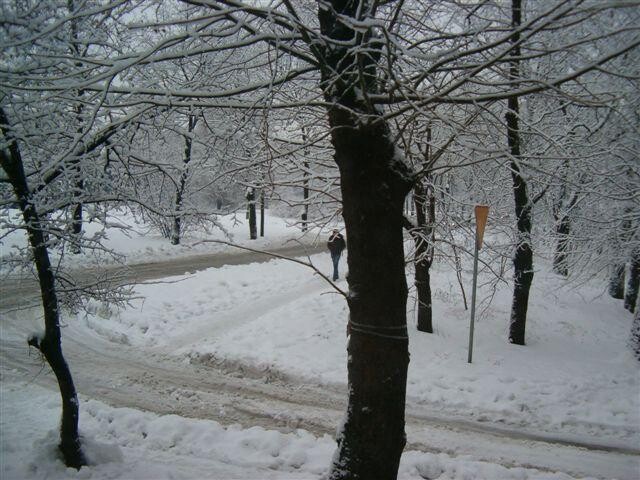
[123, 443]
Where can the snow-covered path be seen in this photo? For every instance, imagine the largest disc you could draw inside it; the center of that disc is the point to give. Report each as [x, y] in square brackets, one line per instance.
[158, 378]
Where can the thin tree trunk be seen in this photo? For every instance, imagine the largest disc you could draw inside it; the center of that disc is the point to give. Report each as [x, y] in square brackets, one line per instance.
[523, 258]
[560, 261]
[76, 225]
[374, 182]
[631, 295]
[425, 218]
[305, 196]
[423, 286]
[616, 281]
[305, 185]
[77, 214]
[262, 213]
[563, 230]
[634, 339]
[50, 344]
[176, 229]
[251, 211]
[252, 221]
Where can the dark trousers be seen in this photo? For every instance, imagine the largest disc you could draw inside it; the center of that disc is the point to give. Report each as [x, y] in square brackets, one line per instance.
[336, 258]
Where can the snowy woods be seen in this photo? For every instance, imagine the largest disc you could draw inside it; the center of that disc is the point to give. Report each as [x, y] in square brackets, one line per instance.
[394, 117]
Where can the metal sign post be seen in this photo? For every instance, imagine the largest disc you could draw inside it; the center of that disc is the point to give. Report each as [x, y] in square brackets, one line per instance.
[482, 212]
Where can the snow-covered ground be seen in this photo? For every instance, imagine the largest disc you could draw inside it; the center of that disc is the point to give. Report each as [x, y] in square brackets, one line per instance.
[139, 243]
[122, 443]
[575, 380]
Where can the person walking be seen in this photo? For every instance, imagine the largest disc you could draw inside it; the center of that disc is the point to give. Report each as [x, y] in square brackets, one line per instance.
[336, 245]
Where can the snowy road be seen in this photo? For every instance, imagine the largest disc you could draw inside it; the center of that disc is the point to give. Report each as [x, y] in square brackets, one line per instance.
[17, 292]
[155, 379]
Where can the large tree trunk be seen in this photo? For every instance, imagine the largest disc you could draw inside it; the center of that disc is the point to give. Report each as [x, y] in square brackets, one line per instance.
[523, 257]
[631, 295]
[373, 437]
[50, 344]
[374, 182]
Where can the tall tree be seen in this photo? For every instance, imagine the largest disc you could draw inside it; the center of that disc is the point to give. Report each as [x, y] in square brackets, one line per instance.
[49, 344]
[176, 229]
[523, 258]
[53, 148]
[374, 181]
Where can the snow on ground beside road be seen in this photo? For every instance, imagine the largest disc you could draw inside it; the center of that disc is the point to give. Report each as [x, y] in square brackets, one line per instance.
[576, 377]
[123, 443]
[139, 243]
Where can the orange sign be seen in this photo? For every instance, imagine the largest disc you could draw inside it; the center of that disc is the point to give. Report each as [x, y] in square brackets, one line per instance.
[482, 212]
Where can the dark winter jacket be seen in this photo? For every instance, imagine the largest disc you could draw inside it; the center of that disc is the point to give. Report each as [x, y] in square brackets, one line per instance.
[336, 243]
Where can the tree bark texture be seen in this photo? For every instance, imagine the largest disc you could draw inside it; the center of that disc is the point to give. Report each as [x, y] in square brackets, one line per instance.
[633, 284]
[50, 344]
[373, 436]
[374, 182]
[523, 257]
